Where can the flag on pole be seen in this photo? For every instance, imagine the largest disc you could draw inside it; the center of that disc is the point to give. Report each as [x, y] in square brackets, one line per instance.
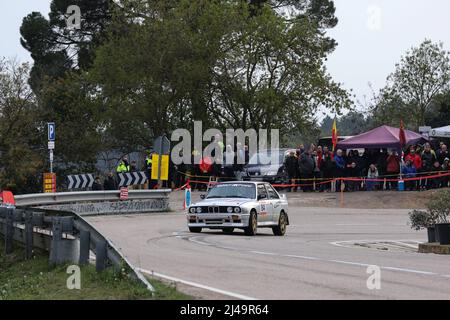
[334, 135]
[402, 137]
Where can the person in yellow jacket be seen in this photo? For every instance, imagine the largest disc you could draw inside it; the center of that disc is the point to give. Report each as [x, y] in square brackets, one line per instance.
[124, 166]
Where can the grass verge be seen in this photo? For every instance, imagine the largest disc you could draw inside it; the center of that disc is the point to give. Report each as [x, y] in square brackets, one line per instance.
[35, 279]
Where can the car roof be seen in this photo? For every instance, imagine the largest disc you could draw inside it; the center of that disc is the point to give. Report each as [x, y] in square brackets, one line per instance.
[244, 182]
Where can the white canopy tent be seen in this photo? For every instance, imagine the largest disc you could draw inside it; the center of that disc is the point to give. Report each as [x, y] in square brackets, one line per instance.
[443, 132]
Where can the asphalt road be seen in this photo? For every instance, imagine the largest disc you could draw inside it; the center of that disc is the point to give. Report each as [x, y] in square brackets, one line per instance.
[325, 255]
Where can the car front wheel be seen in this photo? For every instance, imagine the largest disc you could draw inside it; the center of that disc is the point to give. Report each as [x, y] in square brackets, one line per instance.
[252, 225]
[280, 230]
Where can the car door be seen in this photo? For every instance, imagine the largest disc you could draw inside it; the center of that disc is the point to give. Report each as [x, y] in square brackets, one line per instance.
[275, 203]
[265, 209]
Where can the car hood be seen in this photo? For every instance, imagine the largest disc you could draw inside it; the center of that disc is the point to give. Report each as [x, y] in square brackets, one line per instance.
[223, 202]
[262, 169]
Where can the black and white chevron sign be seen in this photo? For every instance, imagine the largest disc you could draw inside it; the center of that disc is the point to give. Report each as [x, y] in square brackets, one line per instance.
[132, 178]
[80, 181]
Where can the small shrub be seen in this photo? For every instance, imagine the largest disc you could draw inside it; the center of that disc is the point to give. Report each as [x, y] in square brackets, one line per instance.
[420, 220]
[439, 206]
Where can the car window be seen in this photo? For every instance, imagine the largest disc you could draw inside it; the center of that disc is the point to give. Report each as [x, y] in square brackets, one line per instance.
[272, 193]
[262, 190]
[232, 190]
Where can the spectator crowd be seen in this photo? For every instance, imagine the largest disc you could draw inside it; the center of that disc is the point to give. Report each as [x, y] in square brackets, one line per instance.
[371, 169]
[314, 168]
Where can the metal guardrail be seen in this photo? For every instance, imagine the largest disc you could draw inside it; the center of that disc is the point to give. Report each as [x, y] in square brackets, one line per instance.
[87, 196]
[67, 236]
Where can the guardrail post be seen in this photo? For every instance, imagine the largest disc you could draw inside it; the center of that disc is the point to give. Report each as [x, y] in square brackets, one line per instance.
[85, 246]
[9, 231]
[100, 256]
[28, 235]
[56, 240]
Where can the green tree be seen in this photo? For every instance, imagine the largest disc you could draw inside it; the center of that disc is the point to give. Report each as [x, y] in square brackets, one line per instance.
[70, 104]
[20, 152]
[212, 61]
[438, 114]
[422, 74]
[57, 49]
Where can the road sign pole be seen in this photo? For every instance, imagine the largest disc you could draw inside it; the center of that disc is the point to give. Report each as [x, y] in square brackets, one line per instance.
[51, 160]
[159, 162]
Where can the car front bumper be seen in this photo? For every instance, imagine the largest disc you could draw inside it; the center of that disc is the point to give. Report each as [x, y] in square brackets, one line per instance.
[218, 220]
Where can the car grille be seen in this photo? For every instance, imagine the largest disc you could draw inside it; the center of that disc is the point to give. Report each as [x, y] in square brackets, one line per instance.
[215, 209]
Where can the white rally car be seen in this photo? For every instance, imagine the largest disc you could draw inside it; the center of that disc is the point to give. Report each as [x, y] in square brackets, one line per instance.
[240, 205]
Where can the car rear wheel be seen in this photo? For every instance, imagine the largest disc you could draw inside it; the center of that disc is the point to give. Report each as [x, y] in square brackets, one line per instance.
[280, 230]
[228, 230]
[195, 229]
[252, 225]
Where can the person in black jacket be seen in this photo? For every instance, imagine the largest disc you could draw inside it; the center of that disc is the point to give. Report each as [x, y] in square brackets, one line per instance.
[327, 168]
[291, 166]
[306, 166]
[110, 183]
[428, 160]
[97, 186]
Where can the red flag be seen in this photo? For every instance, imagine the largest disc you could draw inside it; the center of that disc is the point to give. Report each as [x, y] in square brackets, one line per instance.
[334, 135]
[402, 137]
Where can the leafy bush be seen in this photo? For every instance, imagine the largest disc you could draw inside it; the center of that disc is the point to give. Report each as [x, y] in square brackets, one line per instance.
[438, 211]
[420, 220]
[439, 206]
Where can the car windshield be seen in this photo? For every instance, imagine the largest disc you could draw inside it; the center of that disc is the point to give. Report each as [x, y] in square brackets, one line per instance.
[267, 158]
[231, 190]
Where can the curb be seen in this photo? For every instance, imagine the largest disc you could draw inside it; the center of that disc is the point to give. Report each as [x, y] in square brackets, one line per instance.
[435, 248]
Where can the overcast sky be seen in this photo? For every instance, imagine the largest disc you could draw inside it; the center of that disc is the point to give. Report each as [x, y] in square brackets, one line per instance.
[372, 35]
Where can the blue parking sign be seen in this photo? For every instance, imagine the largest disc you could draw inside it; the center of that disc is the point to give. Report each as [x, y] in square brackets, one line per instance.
[51, 131]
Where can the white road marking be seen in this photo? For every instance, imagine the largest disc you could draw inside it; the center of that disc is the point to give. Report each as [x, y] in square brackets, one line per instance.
[197, 285]
[337, 243]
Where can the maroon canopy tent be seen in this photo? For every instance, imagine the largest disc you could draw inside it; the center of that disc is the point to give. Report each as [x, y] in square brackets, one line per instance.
[383, 137]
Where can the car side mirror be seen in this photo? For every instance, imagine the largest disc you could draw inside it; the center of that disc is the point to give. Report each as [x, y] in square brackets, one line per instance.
[262, 196]
[203, 196]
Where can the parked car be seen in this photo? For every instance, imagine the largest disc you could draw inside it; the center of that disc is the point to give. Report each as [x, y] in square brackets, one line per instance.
[267, 166]
[240, 205]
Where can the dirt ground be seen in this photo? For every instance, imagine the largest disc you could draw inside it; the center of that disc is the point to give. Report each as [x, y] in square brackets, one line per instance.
[357, 200]
[363, 200]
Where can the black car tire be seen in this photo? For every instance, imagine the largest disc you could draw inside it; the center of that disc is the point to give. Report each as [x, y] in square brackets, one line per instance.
[280, 230]
[252, 227]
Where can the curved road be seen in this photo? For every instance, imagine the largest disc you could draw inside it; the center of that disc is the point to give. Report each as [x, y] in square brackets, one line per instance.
[325, 255]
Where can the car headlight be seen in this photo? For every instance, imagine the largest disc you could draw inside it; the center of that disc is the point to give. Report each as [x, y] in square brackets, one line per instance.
[199, 210]
[230, 209]
[192, 210]
[237, 210]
